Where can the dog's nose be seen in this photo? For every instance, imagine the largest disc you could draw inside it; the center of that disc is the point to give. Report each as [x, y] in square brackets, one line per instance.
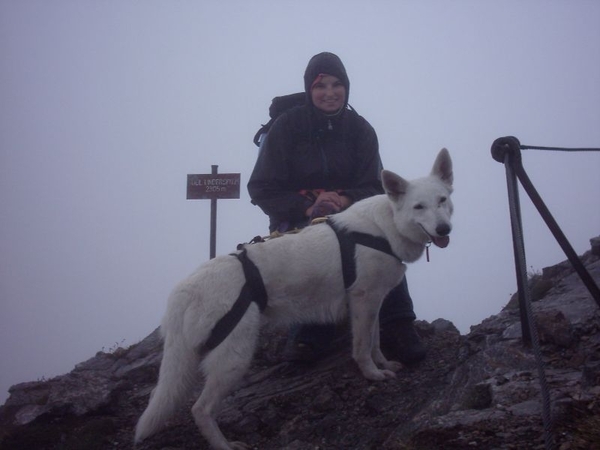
[443, 229]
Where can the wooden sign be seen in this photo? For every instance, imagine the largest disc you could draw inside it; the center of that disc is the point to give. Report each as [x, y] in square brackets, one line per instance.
[213, 186]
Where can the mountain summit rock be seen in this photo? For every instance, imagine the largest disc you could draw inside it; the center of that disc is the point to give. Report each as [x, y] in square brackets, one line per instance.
[479, 390]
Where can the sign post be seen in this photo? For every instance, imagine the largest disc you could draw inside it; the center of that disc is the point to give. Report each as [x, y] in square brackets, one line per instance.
[213, 186]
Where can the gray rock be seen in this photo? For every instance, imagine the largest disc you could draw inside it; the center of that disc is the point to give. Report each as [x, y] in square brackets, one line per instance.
[475, 391]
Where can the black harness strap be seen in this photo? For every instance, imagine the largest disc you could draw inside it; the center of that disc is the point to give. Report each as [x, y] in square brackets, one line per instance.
[252, 291]
[348, 241]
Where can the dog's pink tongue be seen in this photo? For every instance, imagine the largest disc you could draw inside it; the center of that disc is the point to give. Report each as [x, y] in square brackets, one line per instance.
[441, 242]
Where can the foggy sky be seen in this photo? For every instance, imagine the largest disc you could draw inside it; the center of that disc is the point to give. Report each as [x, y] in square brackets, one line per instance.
[105, 107]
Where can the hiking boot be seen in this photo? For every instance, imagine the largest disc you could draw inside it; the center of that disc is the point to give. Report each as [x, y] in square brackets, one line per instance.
[401, 342]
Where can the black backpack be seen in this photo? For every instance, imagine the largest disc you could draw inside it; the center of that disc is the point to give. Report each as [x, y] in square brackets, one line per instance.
[278, 106]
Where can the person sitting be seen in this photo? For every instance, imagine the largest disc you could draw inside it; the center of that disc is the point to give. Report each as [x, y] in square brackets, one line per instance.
[318, 159]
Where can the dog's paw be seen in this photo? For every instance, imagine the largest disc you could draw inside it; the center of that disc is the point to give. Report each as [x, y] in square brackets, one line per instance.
[379, 375]
[394, 366]
[388, 374]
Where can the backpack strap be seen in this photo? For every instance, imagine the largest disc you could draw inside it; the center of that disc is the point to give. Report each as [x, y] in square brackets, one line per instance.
[348, 241]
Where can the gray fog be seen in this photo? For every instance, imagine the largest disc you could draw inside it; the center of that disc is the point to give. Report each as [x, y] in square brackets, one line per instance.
[105, 107]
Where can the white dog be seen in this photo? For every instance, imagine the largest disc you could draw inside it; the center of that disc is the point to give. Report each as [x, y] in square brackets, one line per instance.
[213, 318]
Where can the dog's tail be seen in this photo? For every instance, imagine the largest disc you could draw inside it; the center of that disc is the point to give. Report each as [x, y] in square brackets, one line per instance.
[178, 374]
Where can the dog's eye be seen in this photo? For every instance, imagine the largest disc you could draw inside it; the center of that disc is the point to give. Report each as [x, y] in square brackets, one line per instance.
[419, 206]
[443, 200]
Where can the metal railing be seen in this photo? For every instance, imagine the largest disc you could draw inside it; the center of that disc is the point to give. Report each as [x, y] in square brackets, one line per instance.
[507, 150]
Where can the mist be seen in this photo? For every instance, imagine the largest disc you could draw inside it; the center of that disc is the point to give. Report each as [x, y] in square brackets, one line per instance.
[107, 106]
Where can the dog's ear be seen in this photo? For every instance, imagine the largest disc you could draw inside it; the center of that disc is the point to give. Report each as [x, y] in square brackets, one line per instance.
[442, 167]
[394, 185]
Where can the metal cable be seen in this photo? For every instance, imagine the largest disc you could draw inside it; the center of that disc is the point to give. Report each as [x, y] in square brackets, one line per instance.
[560, 149]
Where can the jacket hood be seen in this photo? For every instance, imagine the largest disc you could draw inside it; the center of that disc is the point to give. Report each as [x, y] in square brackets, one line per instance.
[330, 64]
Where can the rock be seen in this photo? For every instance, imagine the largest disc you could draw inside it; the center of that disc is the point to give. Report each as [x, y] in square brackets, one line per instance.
[475, 391]
[595, 243]
[554, 327]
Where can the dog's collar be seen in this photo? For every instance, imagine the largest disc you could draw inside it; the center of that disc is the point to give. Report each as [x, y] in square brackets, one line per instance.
[348, 240]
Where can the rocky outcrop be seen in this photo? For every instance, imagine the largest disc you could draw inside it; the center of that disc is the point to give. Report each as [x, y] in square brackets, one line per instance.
[475, 391]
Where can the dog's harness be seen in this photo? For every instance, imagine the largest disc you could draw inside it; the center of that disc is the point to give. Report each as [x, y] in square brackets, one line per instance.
[254, 289]
[348, 241]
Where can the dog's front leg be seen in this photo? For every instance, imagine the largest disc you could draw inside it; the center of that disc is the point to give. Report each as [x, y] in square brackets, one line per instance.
[378, 356]
[364, 316]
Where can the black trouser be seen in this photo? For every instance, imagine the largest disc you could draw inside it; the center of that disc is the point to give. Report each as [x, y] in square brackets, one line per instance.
[397, 305]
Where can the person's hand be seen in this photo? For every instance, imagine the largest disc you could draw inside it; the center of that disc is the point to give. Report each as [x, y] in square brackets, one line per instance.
[328, 202]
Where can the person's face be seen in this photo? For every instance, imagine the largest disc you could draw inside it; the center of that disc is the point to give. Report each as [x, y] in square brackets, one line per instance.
[328, 94]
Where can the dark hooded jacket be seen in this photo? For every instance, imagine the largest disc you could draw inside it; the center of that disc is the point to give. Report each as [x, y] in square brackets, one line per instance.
[307, 150]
